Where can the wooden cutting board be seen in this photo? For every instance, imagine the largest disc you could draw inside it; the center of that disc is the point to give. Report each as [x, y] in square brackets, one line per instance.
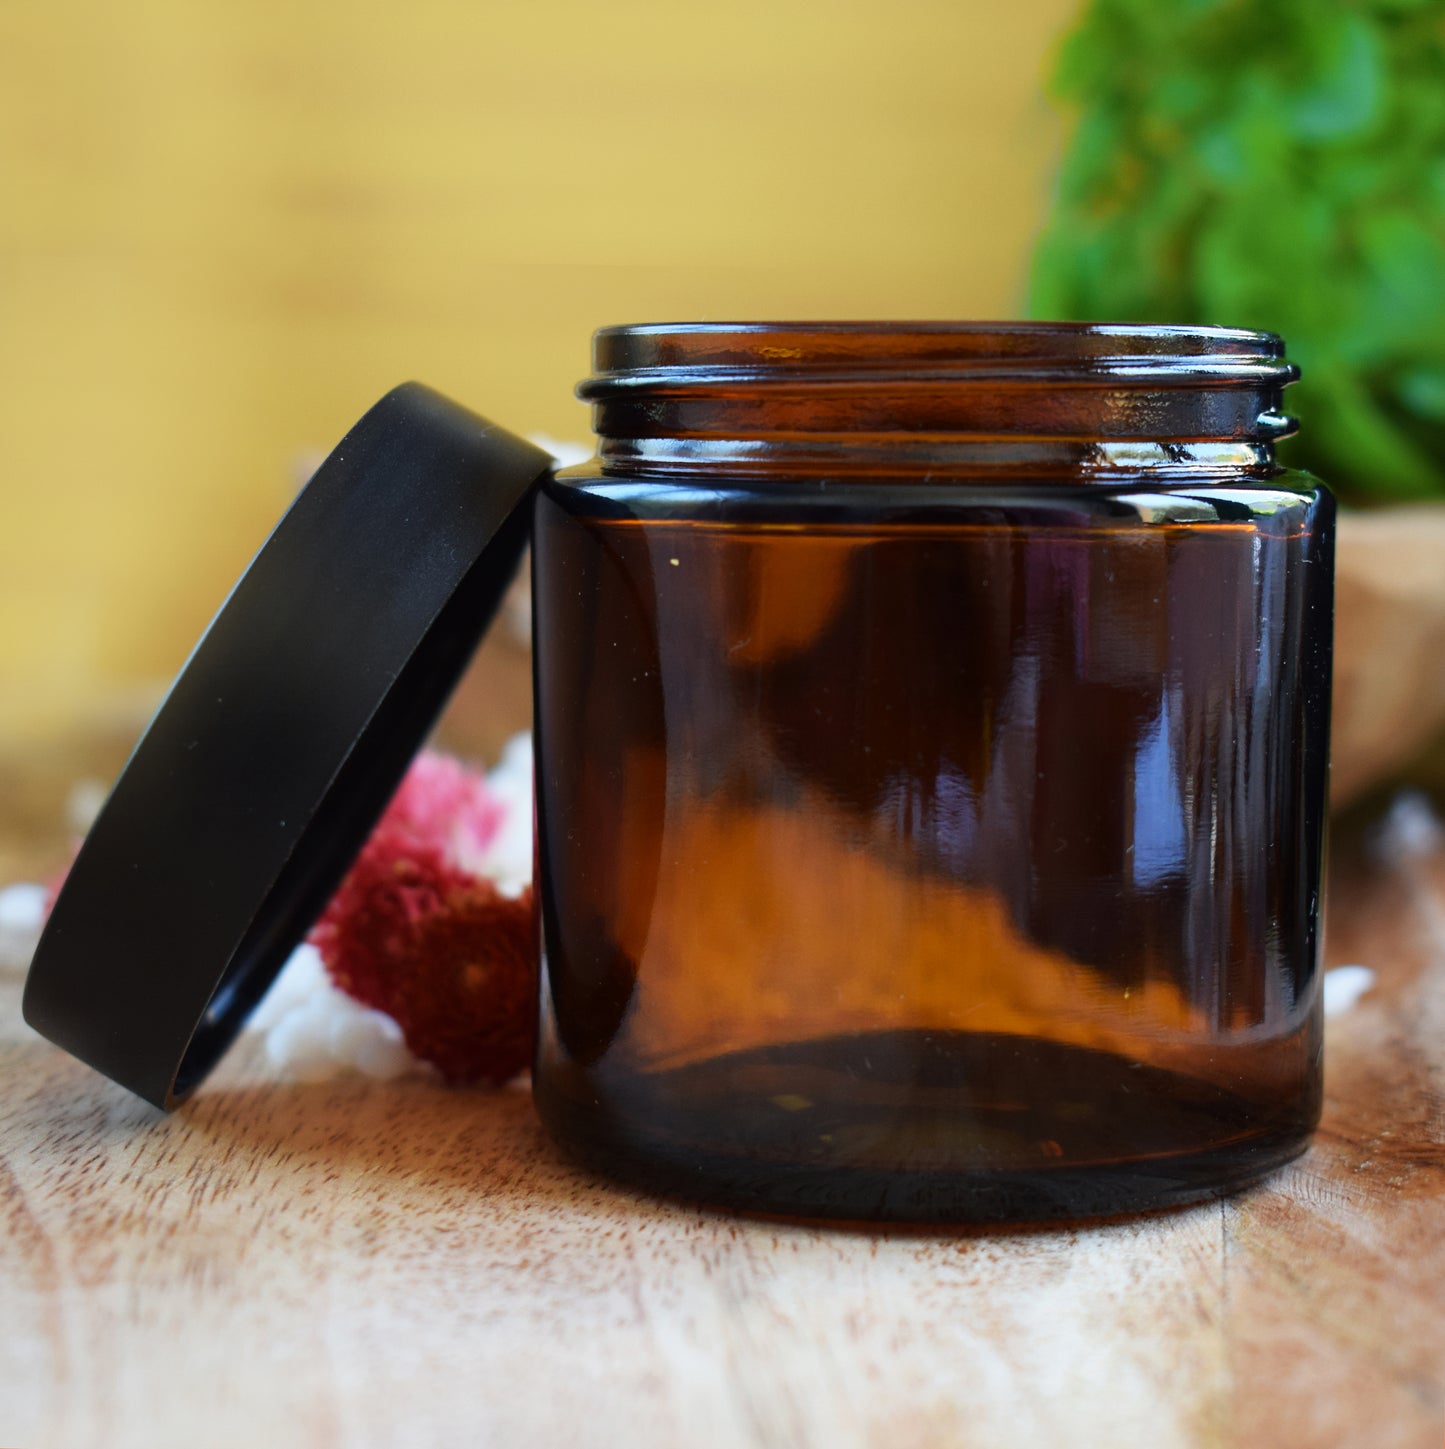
[398, 1264]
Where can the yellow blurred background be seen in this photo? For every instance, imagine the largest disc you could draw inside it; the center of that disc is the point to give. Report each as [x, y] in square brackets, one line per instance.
[228, 227]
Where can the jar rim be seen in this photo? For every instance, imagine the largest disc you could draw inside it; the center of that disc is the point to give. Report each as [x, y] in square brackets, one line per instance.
[687, 355]
[1036, 397]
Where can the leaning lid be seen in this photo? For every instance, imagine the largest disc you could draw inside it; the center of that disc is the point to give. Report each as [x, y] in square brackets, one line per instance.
[281, 742]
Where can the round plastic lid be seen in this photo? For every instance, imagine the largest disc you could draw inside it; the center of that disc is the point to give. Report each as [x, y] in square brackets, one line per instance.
[281, 742]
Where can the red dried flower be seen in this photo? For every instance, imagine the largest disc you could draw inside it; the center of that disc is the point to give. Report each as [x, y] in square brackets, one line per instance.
[414, 933]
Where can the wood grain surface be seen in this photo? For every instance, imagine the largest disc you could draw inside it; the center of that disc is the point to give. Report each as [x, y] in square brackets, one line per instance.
[399, 1264]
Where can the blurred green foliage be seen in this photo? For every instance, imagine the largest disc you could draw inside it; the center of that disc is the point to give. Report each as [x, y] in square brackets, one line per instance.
[1276, 164]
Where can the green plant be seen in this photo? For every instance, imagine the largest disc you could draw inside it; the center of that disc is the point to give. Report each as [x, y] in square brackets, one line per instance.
[1276, 164]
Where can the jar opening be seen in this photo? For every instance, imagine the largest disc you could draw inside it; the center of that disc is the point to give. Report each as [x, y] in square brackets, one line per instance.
[1034, 396]
[694, 353]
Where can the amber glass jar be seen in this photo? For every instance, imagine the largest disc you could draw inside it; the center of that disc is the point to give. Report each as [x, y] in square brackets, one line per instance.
[932, 735]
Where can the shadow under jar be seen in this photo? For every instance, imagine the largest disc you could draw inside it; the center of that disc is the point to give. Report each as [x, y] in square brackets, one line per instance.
[932, 730]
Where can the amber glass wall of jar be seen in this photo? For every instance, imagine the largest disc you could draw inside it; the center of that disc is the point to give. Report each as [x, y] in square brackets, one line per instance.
[932, 735]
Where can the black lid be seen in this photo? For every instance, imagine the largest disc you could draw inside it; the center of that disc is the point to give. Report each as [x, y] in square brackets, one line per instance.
[281, 742]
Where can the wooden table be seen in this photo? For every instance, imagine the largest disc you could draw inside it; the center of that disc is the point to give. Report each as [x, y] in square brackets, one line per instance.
[399, 1264]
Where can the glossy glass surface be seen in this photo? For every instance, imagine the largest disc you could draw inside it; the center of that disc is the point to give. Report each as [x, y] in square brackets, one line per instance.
[931, 846]
[856, 834]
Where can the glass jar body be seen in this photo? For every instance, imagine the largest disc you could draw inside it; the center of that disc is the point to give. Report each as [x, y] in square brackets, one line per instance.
[931, 850]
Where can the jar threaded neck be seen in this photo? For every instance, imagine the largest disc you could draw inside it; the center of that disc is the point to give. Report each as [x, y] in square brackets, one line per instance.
[1014, 397]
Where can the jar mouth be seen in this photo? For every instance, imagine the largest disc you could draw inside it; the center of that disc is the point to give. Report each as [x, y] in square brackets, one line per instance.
[1002, 398]
[690, 355]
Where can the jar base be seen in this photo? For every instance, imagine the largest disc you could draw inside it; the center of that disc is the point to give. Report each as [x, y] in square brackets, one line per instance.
[922, 1127]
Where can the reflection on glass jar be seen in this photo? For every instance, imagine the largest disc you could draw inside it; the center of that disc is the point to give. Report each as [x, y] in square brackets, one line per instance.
[931, 786]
